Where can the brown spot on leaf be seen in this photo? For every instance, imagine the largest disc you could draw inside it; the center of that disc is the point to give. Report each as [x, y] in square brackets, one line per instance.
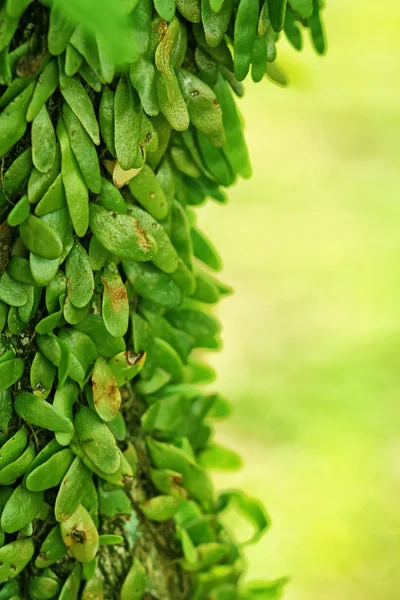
[176, 479]
[111, 388]
[142, 235]
[78, 536]
[106, 395]
[43, 556]
[133, 357]
[127, 480]
[29, 64]
[162, 28]
[117, 292]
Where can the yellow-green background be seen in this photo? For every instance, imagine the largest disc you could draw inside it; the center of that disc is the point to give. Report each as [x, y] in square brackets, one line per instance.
[311, 357]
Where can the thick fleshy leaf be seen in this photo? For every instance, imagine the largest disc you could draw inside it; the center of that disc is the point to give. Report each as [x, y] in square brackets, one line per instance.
[79, 274]
[14, 557]
[97, 440]
[126, 365]
[134, 585]
[250, 508]
[106, 394]
[153, 284]
[80, 535]
[51, 473]
[166, 258]
[106, 344]
[72, 490]
[38, 412]
[115, 306]
[121, 234]
[22, 507]
[11, 371]
[40, 238]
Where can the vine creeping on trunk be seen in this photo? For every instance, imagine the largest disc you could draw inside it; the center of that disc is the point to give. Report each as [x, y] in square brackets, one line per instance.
[117, 120]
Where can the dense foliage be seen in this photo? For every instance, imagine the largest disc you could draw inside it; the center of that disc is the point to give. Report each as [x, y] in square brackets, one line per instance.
[117, 120]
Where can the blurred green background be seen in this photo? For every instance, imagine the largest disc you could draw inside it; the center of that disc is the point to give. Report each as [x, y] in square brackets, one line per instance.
[311, 357]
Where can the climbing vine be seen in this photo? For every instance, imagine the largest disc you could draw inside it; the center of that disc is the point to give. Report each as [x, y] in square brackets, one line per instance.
[117, 120]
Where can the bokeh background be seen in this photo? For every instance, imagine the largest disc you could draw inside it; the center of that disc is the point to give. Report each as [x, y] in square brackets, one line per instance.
[311, 357]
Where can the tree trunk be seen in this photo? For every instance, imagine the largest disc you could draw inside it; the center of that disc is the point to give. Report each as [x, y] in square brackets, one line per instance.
[116, 121]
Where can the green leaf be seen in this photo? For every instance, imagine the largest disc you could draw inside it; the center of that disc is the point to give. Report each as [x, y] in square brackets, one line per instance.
[80, 535]
[42, 375]
[166, 415]
[10, 473]
[43, 587]
[135, 582]
[14, 557]
[121, 234]
[19, 212]
[11, 371]
[113, 502]
[72, 490]
[126, 365]
[166, 258]
[39, 238]
[43, 141]
[22, 507]
[219, 458]
[51, 473]
[207, 554]
[303, 7]
[250, 508]
[153, 284]
[106, 394]
[268, 590]
[107, 345]
[110, 539]
[105, 19]
[37, 411]
[146, 189]
[115, 306]
[160, 508]
[71, 586]
[79, 274]
[97, 440]
[51, 550]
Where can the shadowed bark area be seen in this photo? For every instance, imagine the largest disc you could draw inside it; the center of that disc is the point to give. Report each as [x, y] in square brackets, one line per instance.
[5, 246]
